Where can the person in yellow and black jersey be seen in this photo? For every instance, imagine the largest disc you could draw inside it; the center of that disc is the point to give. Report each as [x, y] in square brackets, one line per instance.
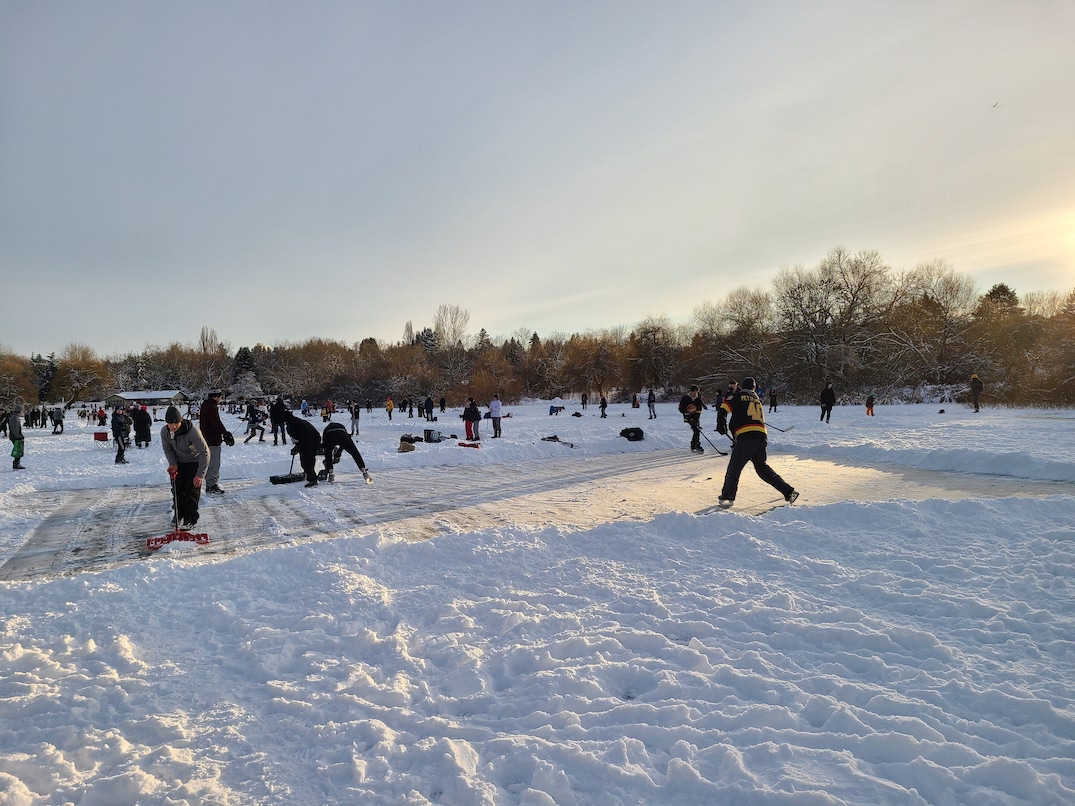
[749, 437]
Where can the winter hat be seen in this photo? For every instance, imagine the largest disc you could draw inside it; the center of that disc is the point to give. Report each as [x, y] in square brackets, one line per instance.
[173, 415]
[215, 393]
[18, 408]
[749, 383]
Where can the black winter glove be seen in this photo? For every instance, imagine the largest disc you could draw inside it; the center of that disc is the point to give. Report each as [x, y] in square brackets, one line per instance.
[228, 439]
[295, 450]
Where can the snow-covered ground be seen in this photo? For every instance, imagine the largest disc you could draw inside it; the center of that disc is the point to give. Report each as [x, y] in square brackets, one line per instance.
[572, 633]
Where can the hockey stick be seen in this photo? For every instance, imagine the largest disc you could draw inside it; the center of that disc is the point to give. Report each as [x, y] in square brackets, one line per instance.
[718, 450]
[781, 430]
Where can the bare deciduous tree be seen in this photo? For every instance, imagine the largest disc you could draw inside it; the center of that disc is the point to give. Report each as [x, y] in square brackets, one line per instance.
[450, 323]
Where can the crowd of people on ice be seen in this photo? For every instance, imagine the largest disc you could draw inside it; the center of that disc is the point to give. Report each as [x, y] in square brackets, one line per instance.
[194, 450]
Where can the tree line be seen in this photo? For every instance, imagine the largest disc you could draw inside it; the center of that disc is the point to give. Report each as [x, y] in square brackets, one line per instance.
[852, 319]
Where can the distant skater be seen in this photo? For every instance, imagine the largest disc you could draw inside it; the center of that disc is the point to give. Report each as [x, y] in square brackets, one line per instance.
[975, 390]
[495, 414]
[869, 406]
[356, 410]
[828, 400]
[15, 434]
[690, 406]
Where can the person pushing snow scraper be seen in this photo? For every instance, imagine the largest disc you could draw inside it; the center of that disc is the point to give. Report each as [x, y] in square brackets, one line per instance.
[749, 439]
[306, 441]
[188, 460]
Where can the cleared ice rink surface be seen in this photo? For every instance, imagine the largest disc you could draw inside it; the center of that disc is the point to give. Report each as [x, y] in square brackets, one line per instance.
[96, 529]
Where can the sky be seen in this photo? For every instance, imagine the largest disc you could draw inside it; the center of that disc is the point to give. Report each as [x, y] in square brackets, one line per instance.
[533, 622]
[278, 171]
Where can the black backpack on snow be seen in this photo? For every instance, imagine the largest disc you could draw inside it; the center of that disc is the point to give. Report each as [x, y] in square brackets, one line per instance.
[632, 434]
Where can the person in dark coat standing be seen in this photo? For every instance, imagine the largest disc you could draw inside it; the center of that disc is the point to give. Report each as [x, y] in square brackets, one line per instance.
[651, 402]
[828, 400]
[278, 419]
[335, 440]
[975, 390]
[14, 433]
[307, 442]
[690, 406]
[121, 433]
[869, 405]
[215, 434]
[143, 426]
[603, 404]
[772, 400]
[428, 406]
[749, 437]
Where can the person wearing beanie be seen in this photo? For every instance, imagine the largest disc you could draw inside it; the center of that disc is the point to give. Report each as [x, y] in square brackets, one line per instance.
[306, 441]
[690, 406]
[975, 390]
[215, 433]
[121, 433]
[18, 442]
[749, 440]
[188, 459]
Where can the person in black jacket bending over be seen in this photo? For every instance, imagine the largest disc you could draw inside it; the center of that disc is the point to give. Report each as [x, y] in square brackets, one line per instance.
[750, 438]
[690, 406]
[306, 441]
[335, 440]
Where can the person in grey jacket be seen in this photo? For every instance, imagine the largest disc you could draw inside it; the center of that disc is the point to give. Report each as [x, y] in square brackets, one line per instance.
[188, 460]
[14, 433]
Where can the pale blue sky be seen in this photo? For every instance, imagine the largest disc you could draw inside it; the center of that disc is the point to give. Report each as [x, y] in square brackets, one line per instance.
[281, 170]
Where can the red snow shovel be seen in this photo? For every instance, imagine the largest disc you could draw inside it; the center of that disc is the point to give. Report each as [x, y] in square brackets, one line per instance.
[177, 534]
